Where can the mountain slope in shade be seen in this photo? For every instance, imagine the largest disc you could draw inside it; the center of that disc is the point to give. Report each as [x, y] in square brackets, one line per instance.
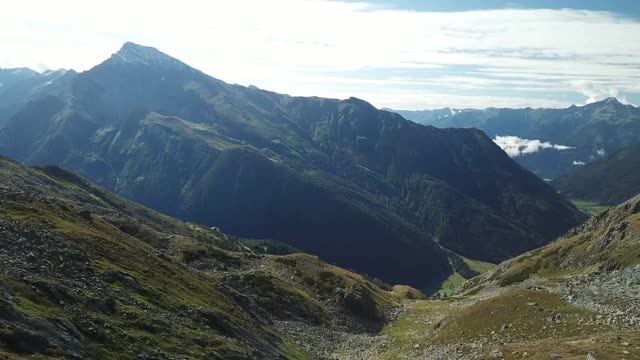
[86, 274]
[593, 130]
[21, 85]
[607, 181]
[360, 187]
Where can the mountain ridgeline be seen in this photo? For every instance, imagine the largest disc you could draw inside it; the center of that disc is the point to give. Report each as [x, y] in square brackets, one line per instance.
[591, 131]
[357, 186]
[19, 86]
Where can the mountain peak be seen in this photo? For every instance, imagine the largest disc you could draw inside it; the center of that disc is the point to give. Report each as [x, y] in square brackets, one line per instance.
[139, 54]
[359, 102]
[611, 100]
[133, 48]
[607, 102]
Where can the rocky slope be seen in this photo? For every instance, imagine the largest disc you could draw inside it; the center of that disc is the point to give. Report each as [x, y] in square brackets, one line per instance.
[608, 181]
[576, 298]
[593, 130]
[85, 274]
[573, 297]
[333, 178]
[608, 241]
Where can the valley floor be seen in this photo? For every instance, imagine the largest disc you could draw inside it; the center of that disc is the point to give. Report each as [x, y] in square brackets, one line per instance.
[589, 207]
[568, 318]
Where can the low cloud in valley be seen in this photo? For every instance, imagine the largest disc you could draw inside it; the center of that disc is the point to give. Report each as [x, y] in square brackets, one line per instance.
[515, 146]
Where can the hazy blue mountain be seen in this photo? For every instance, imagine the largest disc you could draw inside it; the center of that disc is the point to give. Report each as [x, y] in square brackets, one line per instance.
[592, 130]
[21, 85]
[358, 186]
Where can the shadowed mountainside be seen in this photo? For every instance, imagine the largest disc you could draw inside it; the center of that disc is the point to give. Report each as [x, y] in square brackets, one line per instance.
[608, 181]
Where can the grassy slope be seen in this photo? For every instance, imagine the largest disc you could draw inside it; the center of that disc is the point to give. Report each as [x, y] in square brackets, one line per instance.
[167, 288]
[589, 207]
[453, 282]
[608, 240]
[130, 280]
[509, 316]
[515, 320]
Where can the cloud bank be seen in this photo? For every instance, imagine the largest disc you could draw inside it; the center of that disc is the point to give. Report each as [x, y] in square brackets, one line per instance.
[509, 57]
[595, 92]
[515, 146]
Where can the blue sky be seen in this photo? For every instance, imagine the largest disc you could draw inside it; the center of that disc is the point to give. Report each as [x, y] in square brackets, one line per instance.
[627, 7]
[401, 54]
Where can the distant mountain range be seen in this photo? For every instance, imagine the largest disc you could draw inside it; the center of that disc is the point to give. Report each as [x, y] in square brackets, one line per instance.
[581, 134]
[607, 181]
[19, 86]
[360, 187]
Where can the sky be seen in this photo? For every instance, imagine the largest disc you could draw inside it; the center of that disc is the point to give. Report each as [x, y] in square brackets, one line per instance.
[402, 54]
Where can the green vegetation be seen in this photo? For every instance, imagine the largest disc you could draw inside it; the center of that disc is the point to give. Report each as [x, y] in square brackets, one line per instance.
[456, 280]
[478, 266]
[450, 285]
[512, 308]
[589, 207]
[517, 320]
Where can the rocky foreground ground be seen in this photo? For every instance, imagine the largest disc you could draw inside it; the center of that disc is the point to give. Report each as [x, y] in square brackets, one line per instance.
[594, 316]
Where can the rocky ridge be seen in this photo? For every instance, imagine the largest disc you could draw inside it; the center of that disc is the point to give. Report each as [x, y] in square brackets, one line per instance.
[85, 274]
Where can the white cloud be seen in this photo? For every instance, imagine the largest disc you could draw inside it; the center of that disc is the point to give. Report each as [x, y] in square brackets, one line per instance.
[515, 146]
[597, 92]
[578, 163]
[273, 44]
[598, 154]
